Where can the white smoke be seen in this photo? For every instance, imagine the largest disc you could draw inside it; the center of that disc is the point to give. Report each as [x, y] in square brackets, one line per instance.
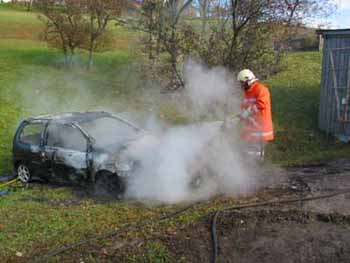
[212, 91]
[206, 86]
[172, 160]
[165, 162]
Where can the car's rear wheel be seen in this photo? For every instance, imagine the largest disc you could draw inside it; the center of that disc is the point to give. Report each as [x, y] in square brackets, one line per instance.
[108, 185]
[23, 173]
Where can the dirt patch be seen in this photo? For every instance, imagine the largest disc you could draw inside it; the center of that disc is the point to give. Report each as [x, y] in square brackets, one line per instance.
[267, 236]
[316, 231]
[323, 178]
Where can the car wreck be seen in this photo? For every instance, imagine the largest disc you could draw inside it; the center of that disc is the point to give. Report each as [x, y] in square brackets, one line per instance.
[109, 153]
[77, 147]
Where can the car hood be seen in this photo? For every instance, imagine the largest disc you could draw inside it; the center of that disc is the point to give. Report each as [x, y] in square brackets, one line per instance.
[128, 152]
[148, 142]
[116, 147]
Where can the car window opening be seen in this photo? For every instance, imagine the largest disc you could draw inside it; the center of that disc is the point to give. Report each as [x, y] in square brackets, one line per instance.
[31, 133]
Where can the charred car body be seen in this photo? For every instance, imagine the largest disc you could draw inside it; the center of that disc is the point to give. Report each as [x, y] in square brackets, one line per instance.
[75, 147]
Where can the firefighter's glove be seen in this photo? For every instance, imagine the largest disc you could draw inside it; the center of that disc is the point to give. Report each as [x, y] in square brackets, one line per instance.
[246, 113]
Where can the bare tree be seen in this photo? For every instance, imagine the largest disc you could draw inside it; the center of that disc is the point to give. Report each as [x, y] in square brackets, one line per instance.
[73, 24]
[149, 21]
[241, 26]
[164, 18]
[100, 13]
[66, 27]
[203, 7]
[29, 4]
[232, 33]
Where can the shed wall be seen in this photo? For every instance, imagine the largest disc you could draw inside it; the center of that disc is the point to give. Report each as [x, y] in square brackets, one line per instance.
[334, 112]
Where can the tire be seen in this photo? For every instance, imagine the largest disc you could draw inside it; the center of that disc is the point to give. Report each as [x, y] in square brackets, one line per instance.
[108, 185]
[203, 186]
[23, 173]
[197, 182]
[201, 178]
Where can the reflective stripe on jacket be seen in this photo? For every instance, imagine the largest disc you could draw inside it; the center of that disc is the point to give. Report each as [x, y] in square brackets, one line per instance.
[259, 125]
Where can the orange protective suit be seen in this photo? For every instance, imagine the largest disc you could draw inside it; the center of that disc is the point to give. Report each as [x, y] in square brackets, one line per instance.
[258, 126]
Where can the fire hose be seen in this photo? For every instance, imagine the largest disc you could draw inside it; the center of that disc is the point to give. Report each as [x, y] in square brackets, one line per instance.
[142, 223]
[9, 183]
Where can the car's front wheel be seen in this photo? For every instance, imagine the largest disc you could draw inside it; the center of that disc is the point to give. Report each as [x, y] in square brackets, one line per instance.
[108, 185]
[23, 173]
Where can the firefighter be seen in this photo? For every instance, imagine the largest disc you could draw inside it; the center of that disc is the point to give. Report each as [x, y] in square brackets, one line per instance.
[255, 111]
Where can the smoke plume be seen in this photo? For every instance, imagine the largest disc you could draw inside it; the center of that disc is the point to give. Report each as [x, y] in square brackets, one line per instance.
[200, 160]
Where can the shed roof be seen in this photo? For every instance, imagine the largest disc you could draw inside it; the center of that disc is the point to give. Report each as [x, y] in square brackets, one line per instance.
[327, 32]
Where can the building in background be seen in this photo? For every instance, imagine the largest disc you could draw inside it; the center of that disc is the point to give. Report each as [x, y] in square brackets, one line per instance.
[334, 110]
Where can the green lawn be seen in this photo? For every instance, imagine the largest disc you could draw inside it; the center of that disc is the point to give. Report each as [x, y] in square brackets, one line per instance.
[37, 220]
[17, 23]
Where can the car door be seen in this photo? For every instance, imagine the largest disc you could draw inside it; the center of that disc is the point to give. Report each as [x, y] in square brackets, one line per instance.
[28, 146]
[66, 151]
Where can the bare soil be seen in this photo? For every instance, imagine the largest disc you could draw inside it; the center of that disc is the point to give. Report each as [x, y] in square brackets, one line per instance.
[315, 231]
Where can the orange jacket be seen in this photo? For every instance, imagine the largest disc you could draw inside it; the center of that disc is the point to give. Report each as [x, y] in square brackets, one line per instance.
[259, 125]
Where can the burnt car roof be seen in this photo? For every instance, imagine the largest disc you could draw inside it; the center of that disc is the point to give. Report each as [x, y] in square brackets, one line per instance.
[69, 117]
[80, 117]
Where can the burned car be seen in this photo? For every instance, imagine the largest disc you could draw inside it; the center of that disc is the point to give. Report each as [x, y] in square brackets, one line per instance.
[77, 147]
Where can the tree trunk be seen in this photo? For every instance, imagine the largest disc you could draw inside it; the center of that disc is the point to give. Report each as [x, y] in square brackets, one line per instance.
[65, 57]
[204, 18]
[71, 56]
[29, 5]
[91, 44]
[173, 57]
[150, 47]
[176, 77]
[91, 50]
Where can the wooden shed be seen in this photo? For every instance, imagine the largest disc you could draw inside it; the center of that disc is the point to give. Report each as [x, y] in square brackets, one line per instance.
[334, 111]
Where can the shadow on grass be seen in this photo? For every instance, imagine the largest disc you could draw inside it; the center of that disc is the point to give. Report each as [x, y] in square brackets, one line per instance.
[79, 193]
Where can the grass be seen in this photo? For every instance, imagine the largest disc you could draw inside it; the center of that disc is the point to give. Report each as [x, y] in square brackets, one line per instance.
[60, 221]
[16, 23]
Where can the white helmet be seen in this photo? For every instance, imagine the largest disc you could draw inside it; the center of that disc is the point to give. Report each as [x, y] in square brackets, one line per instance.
[246, 75]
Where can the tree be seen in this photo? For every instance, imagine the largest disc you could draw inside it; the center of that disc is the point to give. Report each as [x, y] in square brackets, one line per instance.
[73, 24]
[244, 23]
[29, 4]
[163, 20]
[203, 7]
[66, 27]
[232, 33]
[100, 13]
